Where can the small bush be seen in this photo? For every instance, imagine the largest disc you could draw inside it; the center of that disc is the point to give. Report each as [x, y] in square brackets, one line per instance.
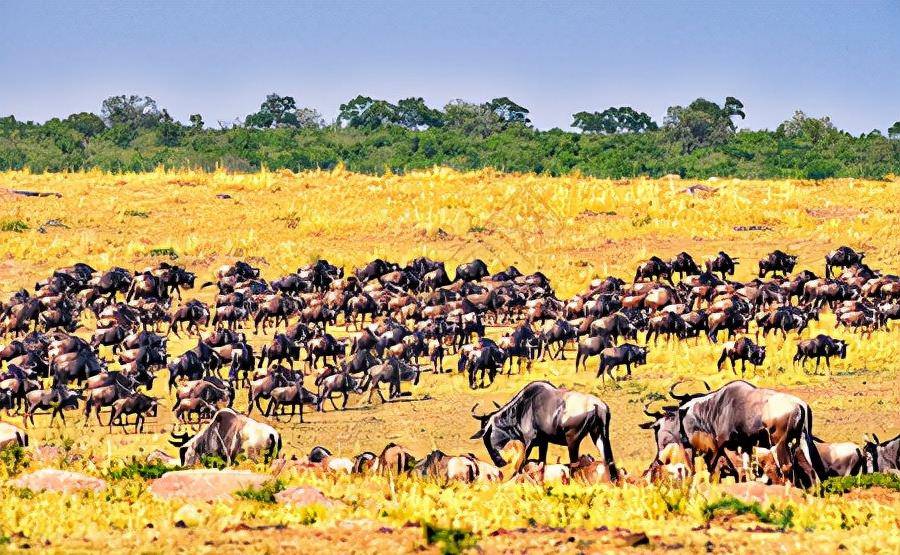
[136, 468]
[450, 541]
[137, 213]
[782, 518]
[263, 494]
[13, 459]
[164, 251]
[15, 226]
[212, 461]
[843, 484]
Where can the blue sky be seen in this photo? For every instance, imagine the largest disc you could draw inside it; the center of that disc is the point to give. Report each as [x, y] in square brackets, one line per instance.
[221, 58]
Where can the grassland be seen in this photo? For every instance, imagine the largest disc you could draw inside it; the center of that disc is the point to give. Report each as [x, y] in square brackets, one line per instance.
[572, 229]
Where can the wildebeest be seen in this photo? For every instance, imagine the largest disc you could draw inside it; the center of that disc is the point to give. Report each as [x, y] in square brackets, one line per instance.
[723, 264]
[193, 313]
[683, 264]
[744, 350]
[293, 396]
[841, 257]
[390, 372]
[666, 323]
[228, 435]
[819, 347]
[486, 358]
[340, 382]
[882, 456]
[590, 347]
[739, 416]
[138, 404]
[627, 354]
[471, 271]
[841, 459]
[654, 268]
[541, 414]
[57, 400]
[777, 262]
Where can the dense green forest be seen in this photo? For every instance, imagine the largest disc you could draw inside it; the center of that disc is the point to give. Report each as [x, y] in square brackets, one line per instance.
[702, 139]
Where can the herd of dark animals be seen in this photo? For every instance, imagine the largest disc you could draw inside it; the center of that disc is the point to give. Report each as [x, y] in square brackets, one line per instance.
[417, 311]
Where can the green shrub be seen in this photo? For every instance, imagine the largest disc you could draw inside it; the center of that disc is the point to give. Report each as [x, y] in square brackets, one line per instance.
[450, 541]
[15, 226]
[843, 484]
[13, 459]
[782, 518]
[135, 468]
[164, 251]
[137, 213]
[264, 493]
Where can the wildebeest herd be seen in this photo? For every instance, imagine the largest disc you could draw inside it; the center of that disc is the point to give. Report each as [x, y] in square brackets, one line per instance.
[404, 314]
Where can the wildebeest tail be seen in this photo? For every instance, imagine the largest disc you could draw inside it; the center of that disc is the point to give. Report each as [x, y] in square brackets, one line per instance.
[607, 446]
[809, 447]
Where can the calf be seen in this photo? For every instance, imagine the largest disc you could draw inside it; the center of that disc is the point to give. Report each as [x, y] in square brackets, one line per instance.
[745, 350]
[626, 354]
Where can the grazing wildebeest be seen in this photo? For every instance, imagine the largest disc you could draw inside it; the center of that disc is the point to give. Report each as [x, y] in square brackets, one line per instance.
[683, 264]
[842, 257]
[841, 459]
[777, 262]
[614, 326]
[320, 348]
[744, 349]
[882, 456]
[139, 404]
[262, 387]
[739, 416]
[57, 399]
[723, 264]
[232, 316]
[471, 271]
[541, 414]
[228, 435]
[110, 337]
[375, 269]
[590, 347]
[188, 365]
[652, 269]
[391, 372]
[819, 347]
[626, 353]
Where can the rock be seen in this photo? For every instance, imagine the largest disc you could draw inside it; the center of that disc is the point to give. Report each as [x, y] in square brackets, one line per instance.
[51, 479]
[756, 491]
[302, 496]
[204, 484]
[47, 453]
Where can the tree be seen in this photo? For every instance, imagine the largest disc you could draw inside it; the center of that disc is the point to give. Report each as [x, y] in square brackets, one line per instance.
[196, 122]
[801, 126]
[703, 123]
[133, 112]
[413, 113]
[508, 111]
[894, 130]
[86, 123]
[614, 120]
[277, 111]
[366, 112]
[472, 119]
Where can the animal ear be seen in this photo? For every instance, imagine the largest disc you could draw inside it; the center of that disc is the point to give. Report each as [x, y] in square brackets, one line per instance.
[646, 425]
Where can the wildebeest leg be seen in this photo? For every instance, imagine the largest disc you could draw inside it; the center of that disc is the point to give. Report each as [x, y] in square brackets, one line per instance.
[347, 398]
[542, 451]
[331, 398]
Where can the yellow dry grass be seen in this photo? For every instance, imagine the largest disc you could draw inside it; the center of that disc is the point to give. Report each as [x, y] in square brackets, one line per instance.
[570, 228]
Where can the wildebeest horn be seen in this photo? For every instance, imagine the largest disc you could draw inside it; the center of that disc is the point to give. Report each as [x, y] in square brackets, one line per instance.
[481, 418]
[706, 385]
[496, 404]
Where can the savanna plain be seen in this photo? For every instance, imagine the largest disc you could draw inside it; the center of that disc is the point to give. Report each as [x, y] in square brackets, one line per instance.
[570, 228]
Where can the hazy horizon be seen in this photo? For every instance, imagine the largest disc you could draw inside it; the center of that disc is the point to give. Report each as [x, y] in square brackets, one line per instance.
[221, 59]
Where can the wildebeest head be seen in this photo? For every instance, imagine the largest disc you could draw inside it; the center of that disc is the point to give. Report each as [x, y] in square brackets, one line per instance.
[881, 456]
[840, 348]
[180, 441]
[494, 435]
[757, 355]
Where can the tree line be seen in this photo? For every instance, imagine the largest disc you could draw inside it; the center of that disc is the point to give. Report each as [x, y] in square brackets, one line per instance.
[702, 139]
